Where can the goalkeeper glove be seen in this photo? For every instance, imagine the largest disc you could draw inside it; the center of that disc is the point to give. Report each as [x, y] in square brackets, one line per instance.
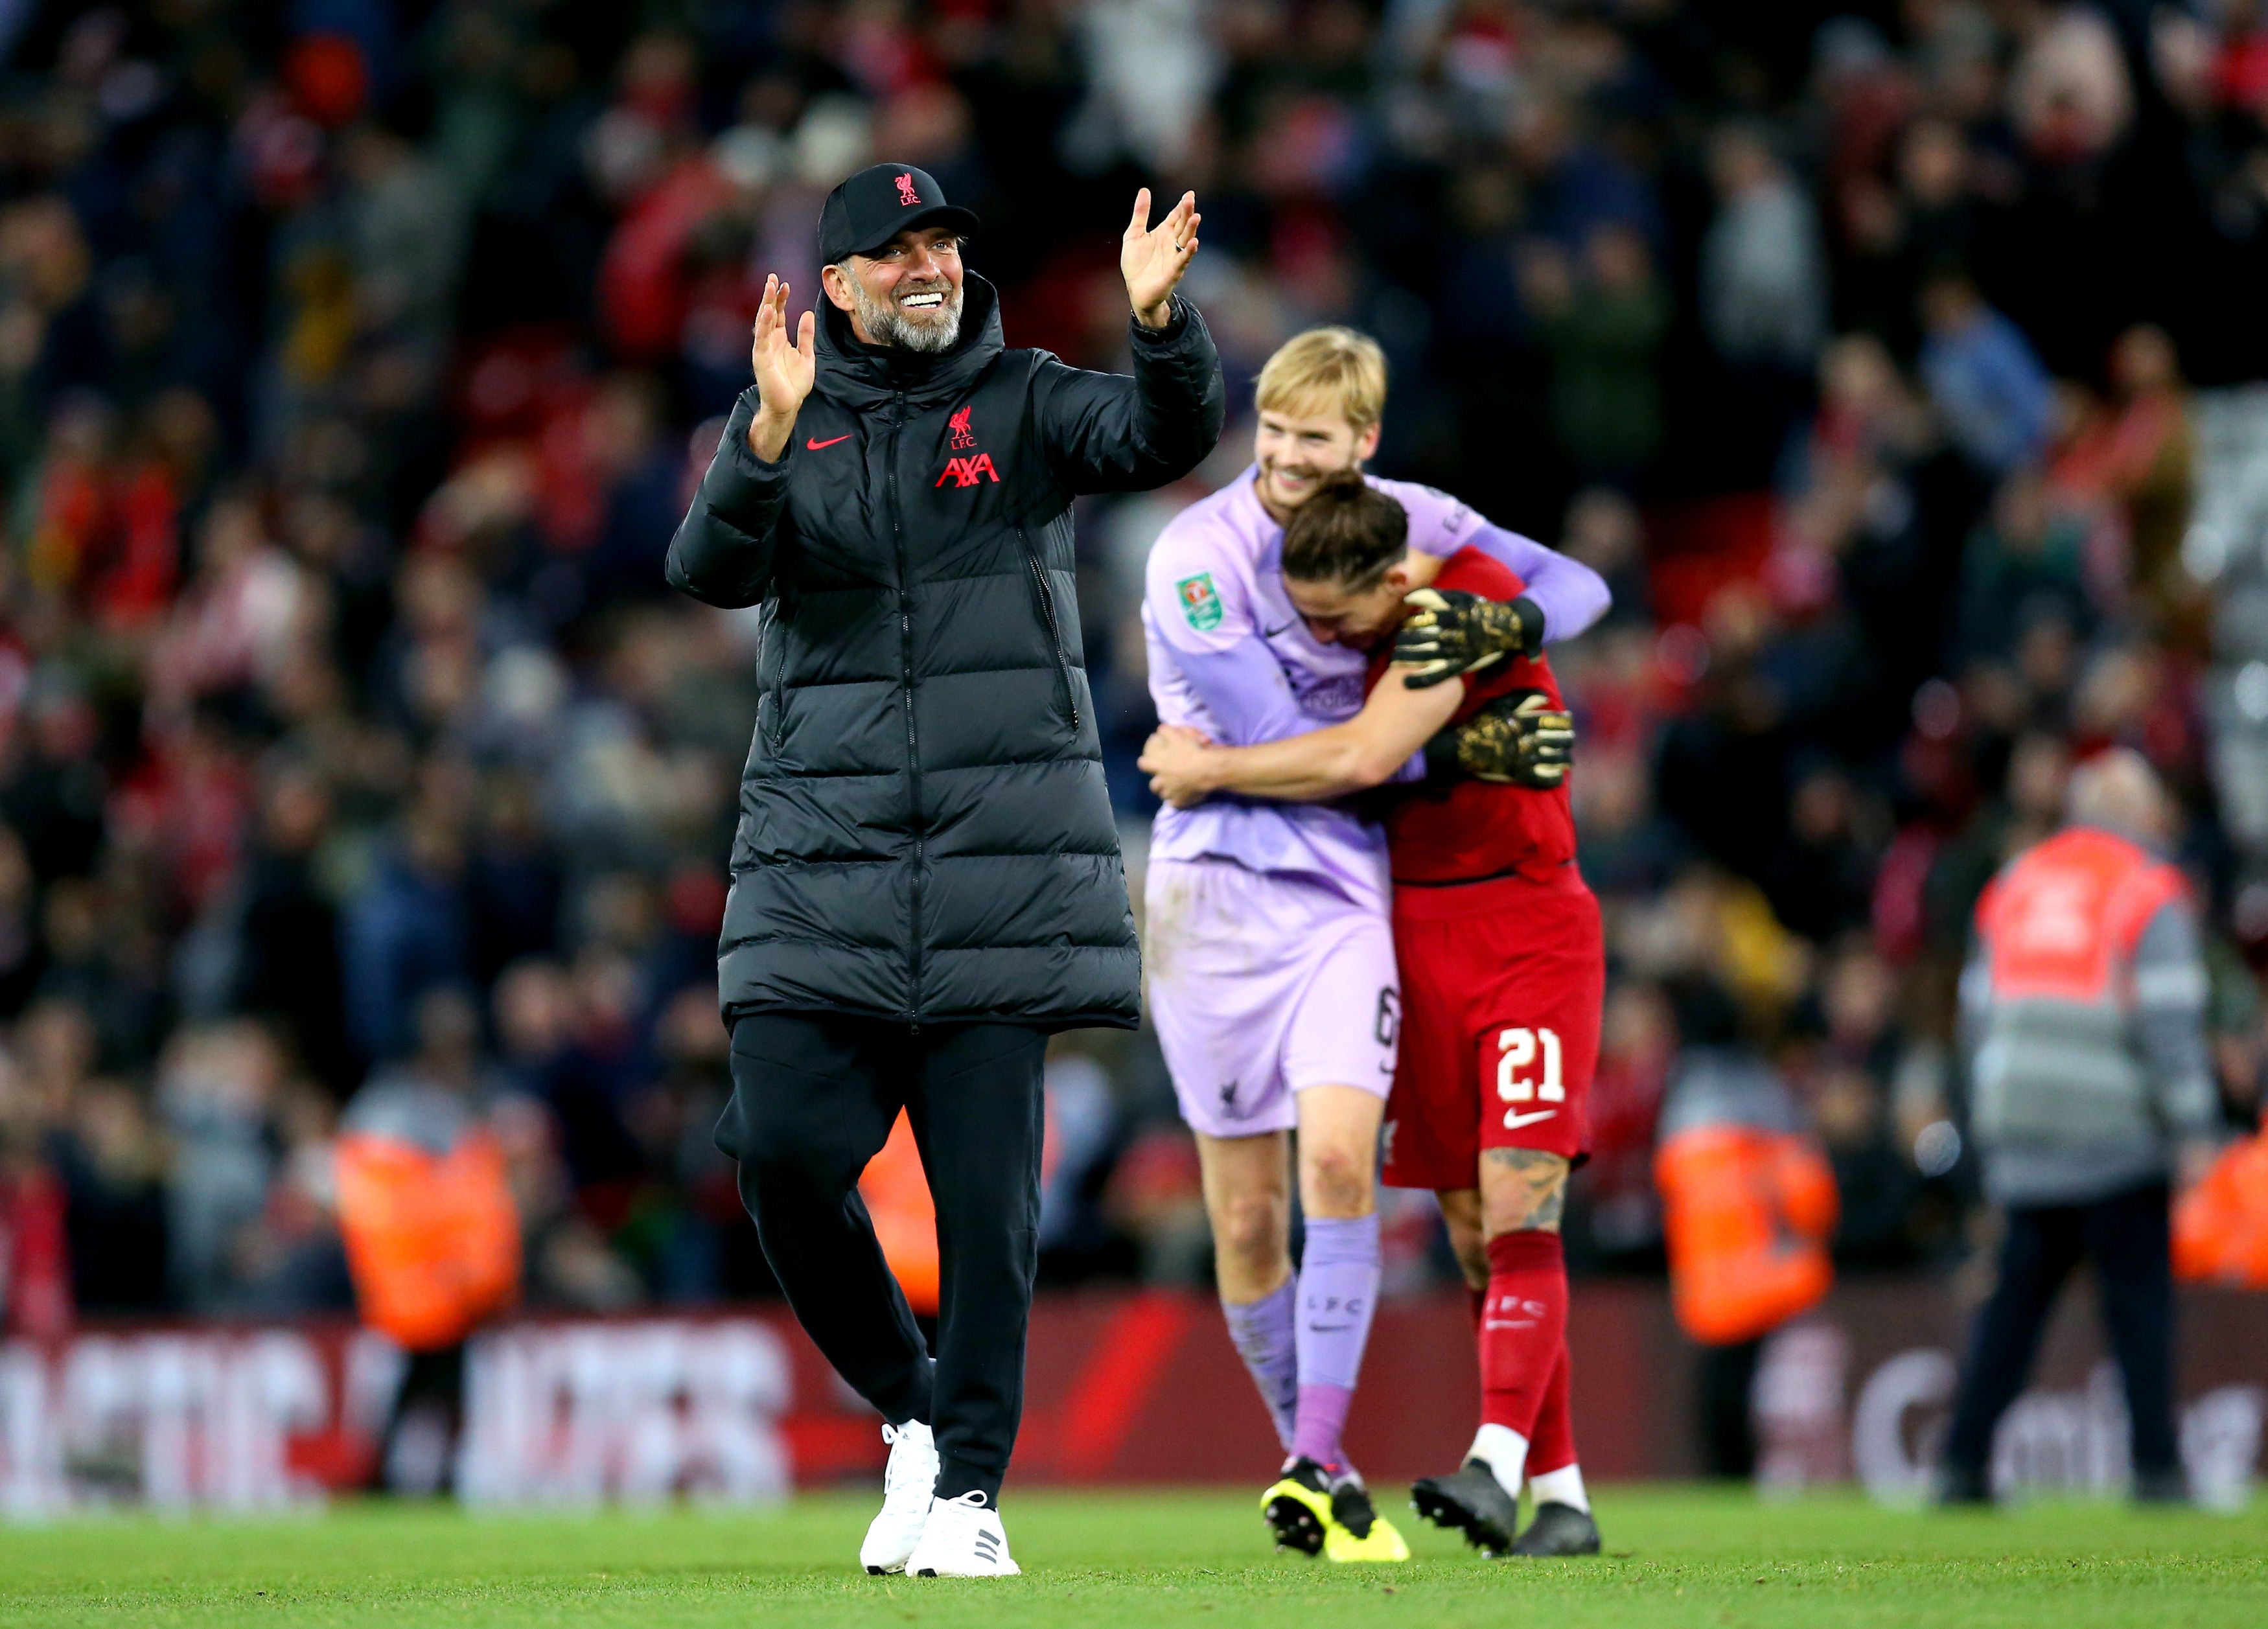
[1517, 740]
[1450, 631]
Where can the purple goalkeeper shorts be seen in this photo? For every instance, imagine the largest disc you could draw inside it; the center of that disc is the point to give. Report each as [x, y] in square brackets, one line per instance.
[1262, 985]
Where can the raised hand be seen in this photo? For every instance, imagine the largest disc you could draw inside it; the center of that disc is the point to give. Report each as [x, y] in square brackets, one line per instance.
[784, 369]
[1154, 258]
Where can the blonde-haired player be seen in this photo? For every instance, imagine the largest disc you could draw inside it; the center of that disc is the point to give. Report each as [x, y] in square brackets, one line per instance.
[1271, 959]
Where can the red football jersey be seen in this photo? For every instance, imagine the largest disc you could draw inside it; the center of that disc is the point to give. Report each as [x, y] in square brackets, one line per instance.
[1466, 830]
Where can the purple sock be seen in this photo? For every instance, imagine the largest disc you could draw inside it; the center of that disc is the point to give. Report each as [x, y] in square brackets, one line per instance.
[1261, 1331]
[1339, 1289]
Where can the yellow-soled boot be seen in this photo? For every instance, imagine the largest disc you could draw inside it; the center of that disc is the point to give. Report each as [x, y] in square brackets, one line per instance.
[1357, 1532]
[1298, 1507]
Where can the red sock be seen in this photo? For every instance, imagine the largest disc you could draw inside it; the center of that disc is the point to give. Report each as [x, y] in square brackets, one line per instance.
[1551, 1445]
[1476, 1303]
[1523, 1327]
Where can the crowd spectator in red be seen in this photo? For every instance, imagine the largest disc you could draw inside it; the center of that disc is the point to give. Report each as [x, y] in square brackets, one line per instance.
[350, 379]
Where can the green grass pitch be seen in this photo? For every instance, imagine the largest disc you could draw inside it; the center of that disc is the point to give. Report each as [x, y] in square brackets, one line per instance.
[1676, 1557]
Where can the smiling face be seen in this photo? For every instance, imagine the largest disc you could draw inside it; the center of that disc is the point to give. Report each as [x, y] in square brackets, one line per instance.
[906, 293]
[1295, 452]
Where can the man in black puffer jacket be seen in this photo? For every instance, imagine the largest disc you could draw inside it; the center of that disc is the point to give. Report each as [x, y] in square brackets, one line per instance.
[926, 880]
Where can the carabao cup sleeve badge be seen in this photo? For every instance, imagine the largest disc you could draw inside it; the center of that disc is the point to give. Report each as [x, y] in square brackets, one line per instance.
[1200, 601]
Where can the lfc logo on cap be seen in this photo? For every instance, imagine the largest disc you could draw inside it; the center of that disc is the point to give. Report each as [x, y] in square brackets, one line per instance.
[907, 196]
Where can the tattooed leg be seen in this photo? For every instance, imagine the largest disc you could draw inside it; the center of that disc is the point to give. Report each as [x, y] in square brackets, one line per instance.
[1522, 1191]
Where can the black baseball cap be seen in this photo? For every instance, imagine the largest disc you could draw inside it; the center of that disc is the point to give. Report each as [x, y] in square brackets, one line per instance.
[878, 203]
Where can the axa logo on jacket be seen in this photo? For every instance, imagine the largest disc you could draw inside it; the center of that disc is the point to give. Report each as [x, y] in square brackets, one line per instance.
[969, 471]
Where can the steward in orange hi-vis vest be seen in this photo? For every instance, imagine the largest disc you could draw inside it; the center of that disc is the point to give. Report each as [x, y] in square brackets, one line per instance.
[432, 1237]
[1749, 1202]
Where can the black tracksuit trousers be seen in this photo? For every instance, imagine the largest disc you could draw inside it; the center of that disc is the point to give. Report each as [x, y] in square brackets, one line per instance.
[814, 1098]
[2127, 1239]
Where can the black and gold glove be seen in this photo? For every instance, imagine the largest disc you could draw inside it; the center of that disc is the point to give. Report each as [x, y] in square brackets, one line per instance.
[1450, 631]
[1519, 740]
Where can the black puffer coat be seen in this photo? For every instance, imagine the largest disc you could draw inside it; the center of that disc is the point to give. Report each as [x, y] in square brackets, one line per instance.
[924, 833]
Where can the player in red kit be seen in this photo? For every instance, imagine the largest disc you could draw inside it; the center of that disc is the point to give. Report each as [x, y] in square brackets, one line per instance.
[1502, 959]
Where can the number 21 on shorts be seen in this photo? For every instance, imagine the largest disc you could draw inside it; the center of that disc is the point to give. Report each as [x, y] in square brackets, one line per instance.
[1519, 1049]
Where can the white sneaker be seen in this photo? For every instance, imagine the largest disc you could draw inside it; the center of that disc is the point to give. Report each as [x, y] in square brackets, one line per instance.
[962, 1538]
[908, 1486]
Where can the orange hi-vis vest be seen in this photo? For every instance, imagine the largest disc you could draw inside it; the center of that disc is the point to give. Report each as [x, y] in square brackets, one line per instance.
[2221, 1225]
[2057, 931]
[1747, 1213]
[897, 1192]
[432, 1240]
[898, 1201]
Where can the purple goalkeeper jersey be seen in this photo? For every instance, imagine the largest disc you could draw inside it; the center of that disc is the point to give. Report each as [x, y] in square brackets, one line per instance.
[1229, 656]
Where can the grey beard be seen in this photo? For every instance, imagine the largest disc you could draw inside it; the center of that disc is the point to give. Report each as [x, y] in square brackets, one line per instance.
[889, 326]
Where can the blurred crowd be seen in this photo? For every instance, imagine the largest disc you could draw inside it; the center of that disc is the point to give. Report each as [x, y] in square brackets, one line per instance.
[356, 356]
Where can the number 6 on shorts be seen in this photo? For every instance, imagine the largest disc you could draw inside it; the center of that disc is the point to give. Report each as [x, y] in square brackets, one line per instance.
[1519, 1047]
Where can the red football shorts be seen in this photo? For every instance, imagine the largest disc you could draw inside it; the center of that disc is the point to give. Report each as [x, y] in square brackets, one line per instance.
[1502, 983]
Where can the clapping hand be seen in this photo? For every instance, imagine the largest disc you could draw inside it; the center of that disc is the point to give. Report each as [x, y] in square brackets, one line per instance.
[784, 369]
[1154, 258]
